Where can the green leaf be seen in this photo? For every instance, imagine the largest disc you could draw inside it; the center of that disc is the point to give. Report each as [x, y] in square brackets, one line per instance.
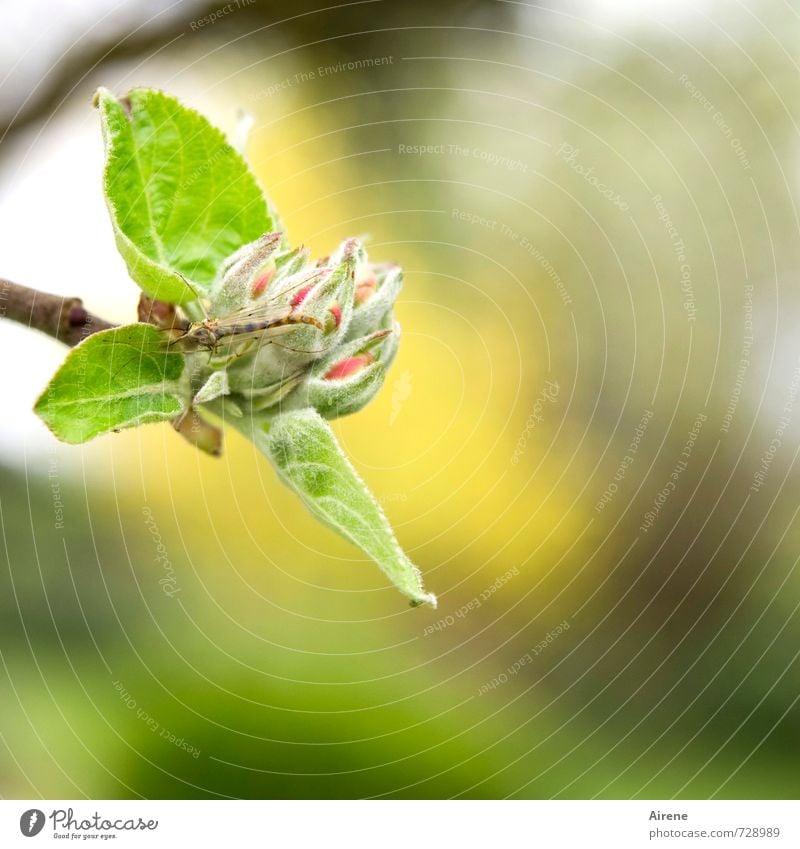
[181, 198]
[304, 450]
[114, 379]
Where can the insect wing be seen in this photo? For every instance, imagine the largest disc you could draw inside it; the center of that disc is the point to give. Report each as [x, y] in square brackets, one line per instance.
[251, 319]
[295, 284]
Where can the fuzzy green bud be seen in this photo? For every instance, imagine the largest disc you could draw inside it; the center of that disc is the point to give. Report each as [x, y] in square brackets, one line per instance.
[377, 287]
[348, 378]
[242, 272]
[334, 360]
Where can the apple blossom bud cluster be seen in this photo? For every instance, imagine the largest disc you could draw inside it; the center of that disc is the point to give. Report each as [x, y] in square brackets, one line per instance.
[298, 333]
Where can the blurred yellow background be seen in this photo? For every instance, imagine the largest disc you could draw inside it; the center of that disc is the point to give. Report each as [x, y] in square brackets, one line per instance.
[596, 208]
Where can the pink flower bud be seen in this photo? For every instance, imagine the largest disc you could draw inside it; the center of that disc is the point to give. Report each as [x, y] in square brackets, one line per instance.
[301, 295]
[366, 284]
[364, 291]
[349, 366]
[262, 281]
[336, 312]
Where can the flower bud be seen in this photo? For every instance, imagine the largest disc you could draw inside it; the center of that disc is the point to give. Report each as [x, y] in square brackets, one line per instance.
[377, 287]
[391, 342]
[262, 280]
[349, 366]
[300, 296]
[366, 284]
[290, 262]
[336, 313]
[347, 379]
[325, 293]
[336, 371]
[237, 278]
[350, 249]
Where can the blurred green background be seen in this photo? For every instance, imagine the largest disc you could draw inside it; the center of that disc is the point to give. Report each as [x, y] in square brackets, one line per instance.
[601, 252]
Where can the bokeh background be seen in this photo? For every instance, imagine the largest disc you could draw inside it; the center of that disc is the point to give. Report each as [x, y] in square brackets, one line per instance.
[588, 442]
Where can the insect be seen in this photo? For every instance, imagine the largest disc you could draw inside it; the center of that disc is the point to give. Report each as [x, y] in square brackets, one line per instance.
[235, 333]
[244, 326]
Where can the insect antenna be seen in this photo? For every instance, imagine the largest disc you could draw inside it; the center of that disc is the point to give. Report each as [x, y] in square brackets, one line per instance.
[298, 350]
[307, 280]
[196, 294]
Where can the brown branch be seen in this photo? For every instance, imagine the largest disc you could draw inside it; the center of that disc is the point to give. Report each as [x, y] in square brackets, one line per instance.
[66, 319]
[62, 318]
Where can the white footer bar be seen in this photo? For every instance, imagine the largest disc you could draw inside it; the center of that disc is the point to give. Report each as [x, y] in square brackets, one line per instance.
[402, 824]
